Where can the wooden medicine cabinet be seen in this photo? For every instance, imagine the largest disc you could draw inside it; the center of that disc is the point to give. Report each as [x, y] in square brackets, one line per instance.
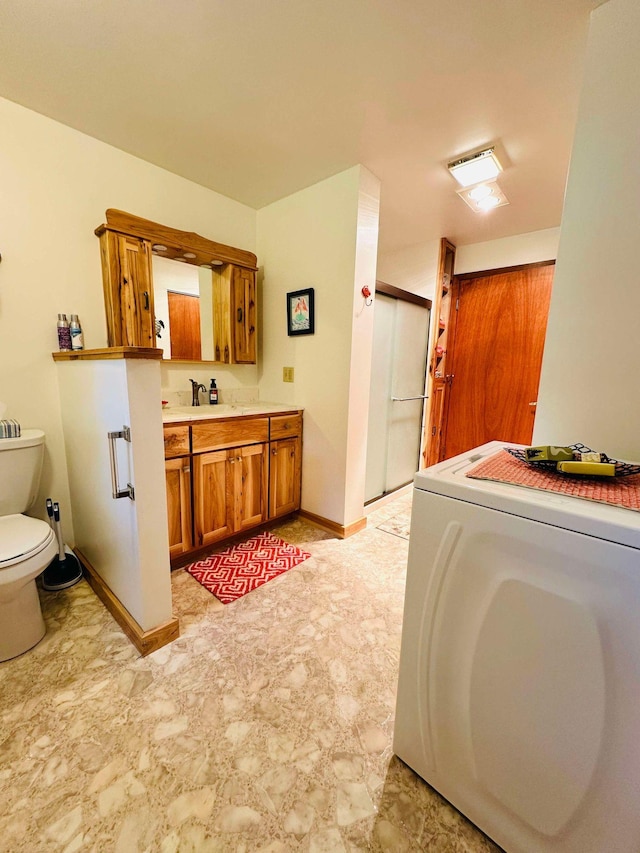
[226, 301]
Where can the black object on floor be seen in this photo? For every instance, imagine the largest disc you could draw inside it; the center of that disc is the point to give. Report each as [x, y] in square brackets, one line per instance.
[65, 569]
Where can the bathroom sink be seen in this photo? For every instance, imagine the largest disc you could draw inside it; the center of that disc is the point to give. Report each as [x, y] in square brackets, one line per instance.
[200, 411]
[182, 413]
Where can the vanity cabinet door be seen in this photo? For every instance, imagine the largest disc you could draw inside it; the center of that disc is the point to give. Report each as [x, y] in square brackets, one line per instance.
[244, 315]
[178, 482]
[212, 496]
[128, 290]
[284, 476]
[234, 314]
[249, 485]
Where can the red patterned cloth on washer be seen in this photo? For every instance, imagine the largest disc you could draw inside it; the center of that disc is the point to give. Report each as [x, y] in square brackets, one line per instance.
[503, 468]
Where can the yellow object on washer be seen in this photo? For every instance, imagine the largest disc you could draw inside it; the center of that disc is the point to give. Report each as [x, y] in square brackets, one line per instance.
[590, 469]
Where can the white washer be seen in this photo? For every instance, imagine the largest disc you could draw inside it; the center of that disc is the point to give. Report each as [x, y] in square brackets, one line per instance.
[519, 688]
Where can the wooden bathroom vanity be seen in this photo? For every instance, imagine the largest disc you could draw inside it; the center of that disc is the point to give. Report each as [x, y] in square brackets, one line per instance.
[228, 472]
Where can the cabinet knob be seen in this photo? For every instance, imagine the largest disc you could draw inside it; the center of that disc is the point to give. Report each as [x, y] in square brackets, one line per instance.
[186, 470]
[275, 451]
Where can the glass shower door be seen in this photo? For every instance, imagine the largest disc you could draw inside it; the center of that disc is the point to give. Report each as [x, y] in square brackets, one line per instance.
[397, 397]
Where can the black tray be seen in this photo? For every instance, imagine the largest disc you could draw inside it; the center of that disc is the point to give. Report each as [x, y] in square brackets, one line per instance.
[623, 469]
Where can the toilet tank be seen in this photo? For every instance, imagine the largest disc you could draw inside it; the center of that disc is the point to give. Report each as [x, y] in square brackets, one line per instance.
[20, 468]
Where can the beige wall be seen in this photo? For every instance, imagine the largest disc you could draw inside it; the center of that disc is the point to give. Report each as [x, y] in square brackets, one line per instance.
[413, 268]
[589, 385]
[56, 185]
[322, 237]
[508, 251]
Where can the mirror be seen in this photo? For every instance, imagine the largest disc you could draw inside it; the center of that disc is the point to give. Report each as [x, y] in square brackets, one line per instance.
[203, 303]
[183, 302]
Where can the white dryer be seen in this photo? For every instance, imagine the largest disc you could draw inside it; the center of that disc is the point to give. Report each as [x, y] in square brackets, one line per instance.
[519, 689]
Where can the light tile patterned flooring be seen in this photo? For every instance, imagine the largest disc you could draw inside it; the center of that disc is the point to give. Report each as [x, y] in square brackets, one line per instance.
[266, 727]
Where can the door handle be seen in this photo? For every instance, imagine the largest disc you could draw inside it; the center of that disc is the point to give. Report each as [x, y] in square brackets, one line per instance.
[145, 293]
[239, 315]
[404, 399]
[116, 491]
[534, 404]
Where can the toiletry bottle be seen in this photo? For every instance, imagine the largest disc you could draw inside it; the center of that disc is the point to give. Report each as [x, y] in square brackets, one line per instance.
[213, 393]
[64, 333]
[76, 333]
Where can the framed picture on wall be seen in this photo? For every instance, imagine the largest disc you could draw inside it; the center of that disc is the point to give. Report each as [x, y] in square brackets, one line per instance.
[300, 312]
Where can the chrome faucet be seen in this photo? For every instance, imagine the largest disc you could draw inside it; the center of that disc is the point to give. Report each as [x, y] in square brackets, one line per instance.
[195, 387]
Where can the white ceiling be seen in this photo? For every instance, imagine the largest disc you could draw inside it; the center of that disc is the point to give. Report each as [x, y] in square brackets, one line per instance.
[259, 98]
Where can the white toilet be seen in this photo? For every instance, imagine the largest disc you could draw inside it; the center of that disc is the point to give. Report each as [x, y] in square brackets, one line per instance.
[27, 545]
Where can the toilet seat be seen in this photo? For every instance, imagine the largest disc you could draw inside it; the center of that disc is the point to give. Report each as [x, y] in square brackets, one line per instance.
[21, 538]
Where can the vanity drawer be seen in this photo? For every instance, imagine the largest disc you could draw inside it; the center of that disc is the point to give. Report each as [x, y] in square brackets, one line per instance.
[217, 436]
[176, 441]
[286, 426]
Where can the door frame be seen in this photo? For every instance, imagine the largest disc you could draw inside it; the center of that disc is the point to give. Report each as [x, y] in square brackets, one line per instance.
[455, 297]
[437, 363]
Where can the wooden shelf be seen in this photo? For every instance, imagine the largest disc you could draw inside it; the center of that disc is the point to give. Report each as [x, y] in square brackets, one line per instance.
[107, 353]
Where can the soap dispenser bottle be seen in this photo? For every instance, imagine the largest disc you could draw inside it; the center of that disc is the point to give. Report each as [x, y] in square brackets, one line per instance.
[213, 393]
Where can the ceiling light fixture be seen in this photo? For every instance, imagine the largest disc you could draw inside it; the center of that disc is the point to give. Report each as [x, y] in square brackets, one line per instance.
[158, 247]
[488, 203]
[474, 168]
[481, 191]
[483, 197]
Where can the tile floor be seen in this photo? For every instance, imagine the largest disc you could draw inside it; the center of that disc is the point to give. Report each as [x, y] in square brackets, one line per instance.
[266, 727]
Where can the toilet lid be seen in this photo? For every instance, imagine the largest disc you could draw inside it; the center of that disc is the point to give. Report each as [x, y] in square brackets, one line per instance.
[21, 537]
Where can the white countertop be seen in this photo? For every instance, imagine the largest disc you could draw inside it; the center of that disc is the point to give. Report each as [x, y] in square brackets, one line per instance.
[173, 414]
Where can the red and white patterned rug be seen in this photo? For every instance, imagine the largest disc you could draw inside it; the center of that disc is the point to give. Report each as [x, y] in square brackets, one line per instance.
[243, 567]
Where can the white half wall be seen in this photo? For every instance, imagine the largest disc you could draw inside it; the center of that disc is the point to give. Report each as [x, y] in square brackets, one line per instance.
[508, 251]
[589, 383]
[56, 185]
[324, 237]
[126, 541]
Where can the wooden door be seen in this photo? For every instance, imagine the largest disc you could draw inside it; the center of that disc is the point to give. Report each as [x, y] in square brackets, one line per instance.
[250, 485]
[178, 481]
[284, 476]
[184, 325]
[498, 341]
[212, 497]
[244, 315]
